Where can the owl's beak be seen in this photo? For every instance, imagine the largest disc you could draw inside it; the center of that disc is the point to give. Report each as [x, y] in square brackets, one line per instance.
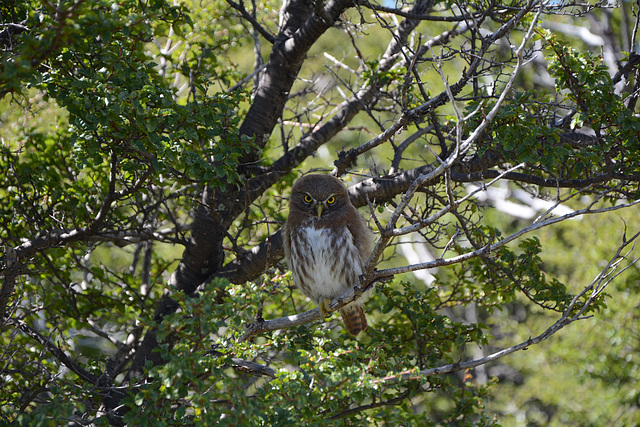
[319, 209]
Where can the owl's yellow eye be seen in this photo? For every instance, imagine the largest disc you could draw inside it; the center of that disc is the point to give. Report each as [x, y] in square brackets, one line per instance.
[331, 200]
[307, 198]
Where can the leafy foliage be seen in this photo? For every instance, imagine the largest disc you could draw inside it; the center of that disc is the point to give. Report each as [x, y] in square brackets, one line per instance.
[318, 374]
[148, 155]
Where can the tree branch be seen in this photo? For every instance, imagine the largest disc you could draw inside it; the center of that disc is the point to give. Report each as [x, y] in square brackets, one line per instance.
[11, 29]
[417, 16]
[253, 262]
[543, 182]
[351, 411]
[368, 279]
[301, 29]
[346, 160]
[56, 351]
[569, 316]
[253, 368]
[9, 273]
[256, 25]
[381, 274]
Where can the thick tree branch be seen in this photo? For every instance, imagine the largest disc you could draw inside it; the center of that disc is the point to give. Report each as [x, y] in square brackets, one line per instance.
[299, 32]
[9, 274]
[254, 262]
[544, 182]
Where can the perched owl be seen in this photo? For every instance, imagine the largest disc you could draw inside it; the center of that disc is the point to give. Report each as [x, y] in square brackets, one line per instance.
[326, 244]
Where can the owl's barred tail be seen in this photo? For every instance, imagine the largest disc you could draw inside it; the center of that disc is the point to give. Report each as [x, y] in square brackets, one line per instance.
[354, 319]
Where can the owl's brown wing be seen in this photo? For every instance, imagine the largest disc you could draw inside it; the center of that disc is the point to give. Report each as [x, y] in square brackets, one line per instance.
[354, 319]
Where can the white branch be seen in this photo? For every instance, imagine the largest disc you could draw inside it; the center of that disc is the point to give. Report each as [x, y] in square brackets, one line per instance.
[380, 274]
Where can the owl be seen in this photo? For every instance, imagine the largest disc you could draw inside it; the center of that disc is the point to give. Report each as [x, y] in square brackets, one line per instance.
[326, 244]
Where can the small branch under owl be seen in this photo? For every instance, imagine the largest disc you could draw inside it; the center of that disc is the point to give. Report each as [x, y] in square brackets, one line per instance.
[260, 326]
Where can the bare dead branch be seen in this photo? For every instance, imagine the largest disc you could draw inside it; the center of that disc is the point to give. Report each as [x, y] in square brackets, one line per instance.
[568, 317]
[346, 160]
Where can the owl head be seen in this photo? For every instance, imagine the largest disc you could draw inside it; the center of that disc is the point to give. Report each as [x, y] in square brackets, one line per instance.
[318, 196]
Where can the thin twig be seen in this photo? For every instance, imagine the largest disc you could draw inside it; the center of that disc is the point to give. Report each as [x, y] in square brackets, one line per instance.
[246, 15]
[56, 351]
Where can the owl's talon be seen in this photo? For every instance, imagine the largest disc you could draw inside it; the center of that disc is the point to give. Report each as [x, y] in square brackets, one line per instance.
[323, 306]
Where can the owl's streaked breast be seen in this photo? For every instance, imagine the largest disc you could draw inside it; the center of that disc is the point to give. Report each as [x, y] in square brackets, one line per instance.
[324, 263]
